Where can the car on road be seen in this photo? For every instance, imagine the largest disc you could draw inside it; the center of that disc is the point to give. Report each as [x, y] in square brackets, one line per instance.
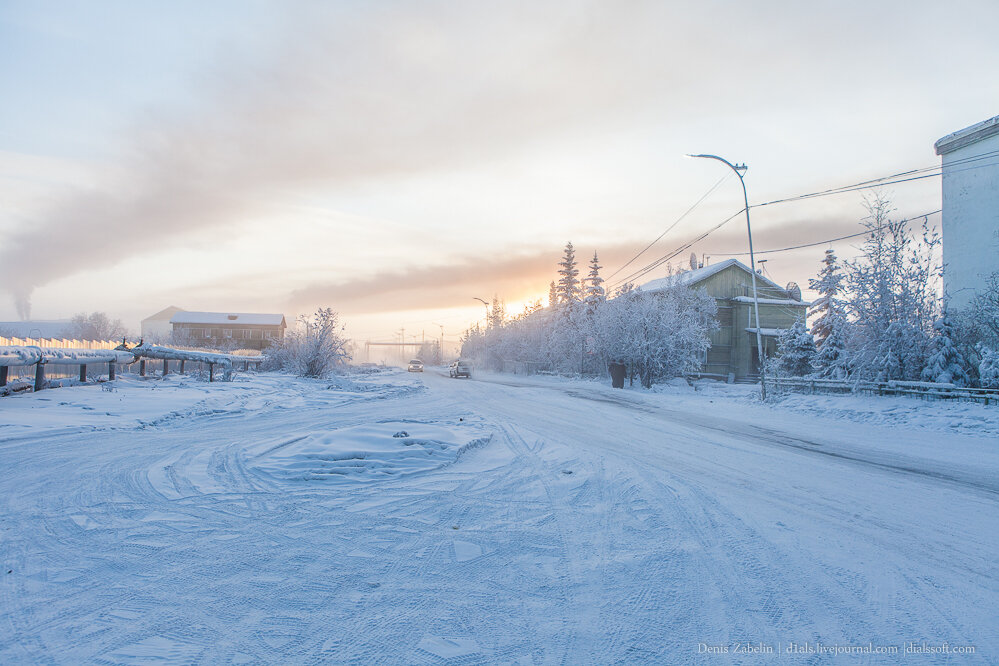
[416, 365]
[460, 369]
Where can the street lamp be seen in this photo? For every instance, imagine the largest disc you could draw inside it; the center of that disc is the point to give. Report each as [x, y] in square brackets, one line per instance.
[486, 303]
[440, 350]
[739, 170]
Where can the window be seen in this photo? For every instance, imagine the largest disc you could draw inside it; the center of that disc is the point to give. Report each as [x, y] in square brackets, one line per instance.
[255, 334]
[226, 332]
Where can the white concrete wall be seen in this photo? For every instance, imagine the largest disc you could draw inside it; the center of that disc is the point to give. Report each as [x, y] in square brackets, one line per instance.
[156, 330]
[970, 220]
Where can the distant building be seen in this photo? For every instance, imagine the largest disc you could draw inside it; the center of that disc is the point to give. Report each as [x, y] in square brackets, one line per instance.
[35, 328]
[970, 160]
[733, 352]
[157, 327]
[222, 329]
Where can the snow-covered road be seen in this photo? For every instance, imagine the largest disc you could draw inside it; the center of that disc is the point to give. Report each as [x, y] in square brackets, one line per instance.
[559, 523]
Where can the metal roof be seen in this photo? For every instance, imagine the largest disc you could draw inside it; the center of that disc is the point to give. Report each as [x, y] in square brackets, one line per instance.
[693, 277]
[967, 136]
[230, 318]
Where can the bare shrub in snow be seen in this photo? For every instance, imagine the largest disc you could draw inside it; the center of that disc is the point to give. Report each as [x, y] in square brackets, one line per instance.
[95, 326]
[316, 349]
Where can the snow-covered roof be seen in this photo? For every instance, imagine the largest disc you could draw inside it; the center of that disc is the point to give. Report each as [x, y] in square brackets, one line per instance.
[772, 301]
[967, 136]
[773, 332]
[165, 314]
[231, 318]
[35, 328]
[693, 277]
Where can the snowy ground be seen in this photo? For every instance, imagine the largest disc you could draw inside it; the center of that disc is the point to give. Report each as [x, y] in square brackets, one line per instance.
[519, 520]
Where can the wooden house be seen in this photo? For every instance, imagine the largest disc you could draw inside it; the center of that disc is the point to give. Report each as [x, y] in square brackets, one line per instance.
[222, 329]
[733, 353]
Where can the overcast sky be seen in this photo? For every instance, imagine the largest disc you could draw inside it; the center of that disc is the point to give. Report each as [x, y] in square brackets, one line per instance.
[395, 160]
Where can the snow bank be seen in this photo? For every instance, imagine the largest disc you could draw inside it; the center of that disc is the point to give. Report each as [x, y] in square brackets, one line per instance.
[366, 453]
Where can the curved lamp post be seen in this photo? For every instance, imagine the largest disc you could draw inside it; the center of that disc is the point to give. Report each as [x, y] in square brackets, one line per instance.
[485, 303]
[739, 170]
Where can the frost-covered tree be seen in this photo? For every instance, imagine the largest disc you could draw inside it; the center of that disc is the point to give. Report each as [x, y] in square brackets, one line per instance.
[892, 296]
[660, 334]
[988, 368]
[568, 288]
[795, 351]
[832, 360]
[945, 365]
[625, 288]
[316, 349]
[595, 293]
[94, 326]
[900, 354]
[827, 306]
[552, 294]
[497, 314]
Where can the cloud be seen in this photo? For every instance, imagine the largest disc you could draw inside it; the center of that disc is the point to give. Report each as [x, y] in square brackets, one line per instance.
[348, 95]
[364, 93]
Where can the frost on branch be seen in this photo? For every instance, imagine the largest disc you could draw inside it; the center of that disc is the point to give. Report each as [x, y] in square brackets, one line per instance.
[316, 349]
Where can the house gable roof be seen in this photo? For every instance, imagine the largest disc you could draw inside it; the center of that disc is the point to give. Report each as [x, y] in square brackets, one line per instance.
[165, 314]
[230, 318]
[693, 277]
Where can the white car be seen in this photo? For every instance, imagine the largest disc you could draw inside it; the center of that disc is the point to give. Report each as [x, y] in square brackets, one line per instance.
[460, 369]
[416, 365]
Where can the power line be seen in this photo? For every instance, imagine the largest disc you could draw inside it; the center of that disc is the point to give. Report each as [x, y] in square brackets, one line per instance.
[821, 242]
[891, 180]
[660, 261]
[670, 227]
[887, 180]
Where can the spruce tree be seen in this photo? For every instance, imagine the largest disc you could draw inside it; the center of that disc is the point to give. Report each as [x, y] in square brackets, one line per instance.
[595, 293]
[568, 282]
[827, 306]
[945, 364]
[497, 314]
[795, 351]
[988, 369]
[832, 361]
[552, 294]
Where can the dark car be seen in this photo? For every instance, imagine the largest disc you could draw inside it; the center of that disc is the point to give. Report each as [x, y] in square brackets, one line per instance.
[460, 369]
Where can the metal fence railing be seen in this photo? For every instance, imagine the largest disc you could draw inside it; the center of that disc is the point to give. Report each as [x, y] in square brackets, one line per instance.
[922, 390]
